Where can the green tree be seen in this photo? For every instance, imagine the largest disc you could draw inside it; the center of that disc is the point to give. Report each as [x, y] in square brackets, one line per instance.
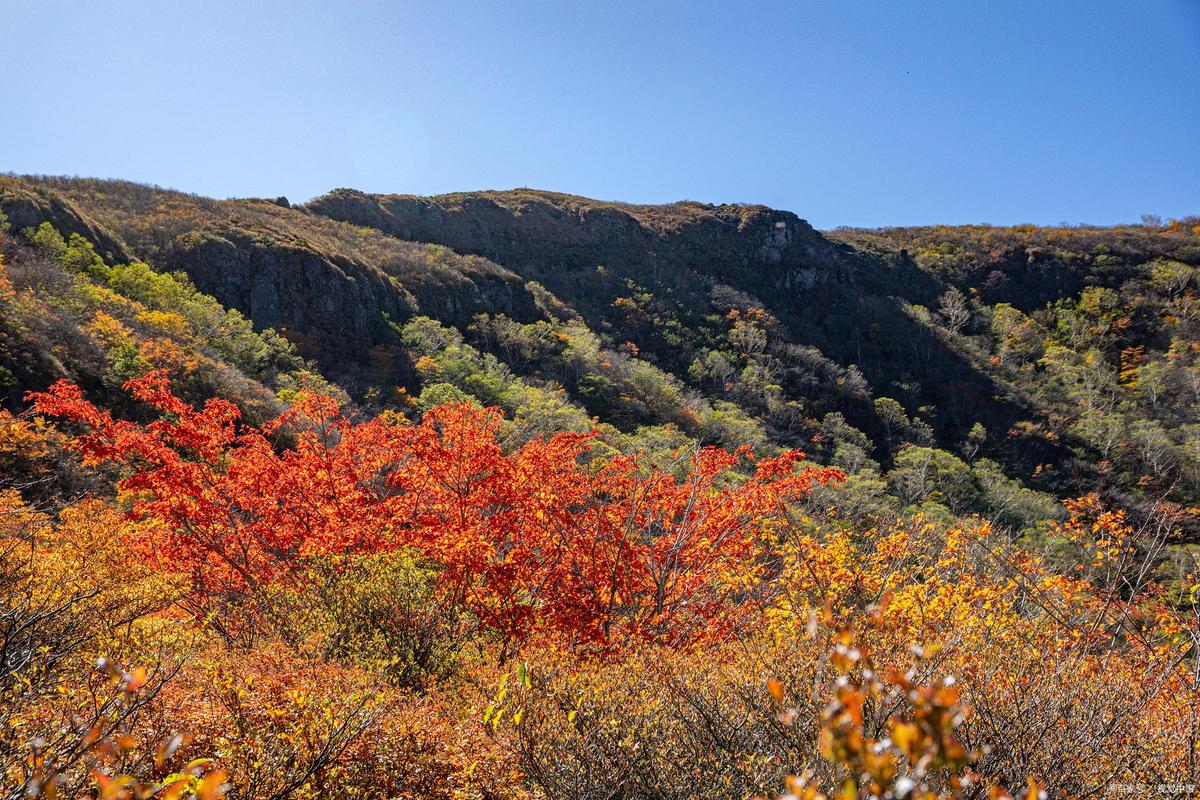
[927, 473]
[976, 439]
[47, 241]
[81, 257]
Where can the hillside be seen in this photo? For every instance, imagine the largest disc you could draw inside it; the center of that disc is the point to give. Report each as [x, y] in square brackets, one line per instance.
[913, 311]
[500, 495]
[981, 359]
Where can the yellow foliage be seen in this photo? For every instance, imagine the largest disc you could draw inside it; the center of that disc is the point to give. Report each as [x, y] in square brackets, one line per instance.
[109, 329]
[167, 354]
[6, 288]
[26, 444]
[167, 322]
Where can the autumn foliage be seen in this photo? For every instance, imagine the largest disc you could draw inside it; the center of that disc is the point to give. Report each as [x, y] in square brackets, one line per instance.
[322, 605]
[548, 538]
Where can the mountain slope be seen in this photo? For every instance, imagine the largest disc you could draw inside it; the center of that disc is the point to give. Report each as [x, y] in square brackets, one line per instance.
[330, 287]
[955, 365]
[824, 294]
[667, 278]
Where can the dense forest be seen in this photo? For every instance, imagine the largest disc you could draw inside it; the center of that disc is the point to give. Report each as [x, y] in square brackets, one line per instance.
[525, 495]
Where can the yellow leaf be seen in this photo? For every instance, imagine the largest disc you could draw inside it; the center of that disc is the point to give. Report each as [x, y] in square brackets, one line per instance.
[905, 736]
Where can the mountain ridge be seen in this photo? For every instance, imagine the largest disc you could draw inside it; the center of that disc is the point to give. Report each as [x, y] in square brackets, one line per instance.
[727, 324]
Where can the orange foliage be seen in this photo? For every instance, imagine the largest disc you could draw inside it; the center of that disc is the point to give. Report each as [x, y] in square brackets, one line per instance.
[530, 540]
[1068, 680]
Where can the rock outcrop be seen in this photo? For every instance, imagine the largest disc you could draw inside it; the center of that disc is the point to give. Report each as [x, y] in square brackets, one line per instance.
[331, 287]
[524, 228]
[340, 304]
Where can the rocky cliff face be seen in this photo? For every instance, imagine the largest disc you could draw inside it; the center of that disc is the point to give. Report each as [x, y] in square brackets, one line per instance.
[338, 303]
[329, 286]
[522, 229]
[343, 302]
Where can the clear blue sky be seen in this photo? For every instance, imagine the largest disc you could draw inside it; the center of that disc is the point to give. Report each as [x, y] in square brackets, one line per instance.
[858, 113]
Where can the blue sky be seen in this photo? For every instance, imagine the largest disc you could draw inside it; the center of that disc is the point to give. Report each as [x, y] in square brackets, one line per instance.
[848, 113]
